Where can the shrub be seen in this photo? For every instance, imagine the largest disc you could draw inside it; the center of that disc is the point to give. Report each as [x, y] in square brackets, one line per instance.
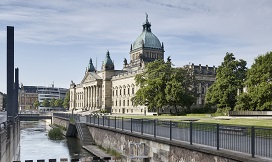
[55, 134]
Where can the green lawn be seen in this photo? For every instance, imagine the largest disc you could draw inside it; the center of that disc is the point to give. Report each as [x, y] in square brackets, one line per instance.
[203, 118]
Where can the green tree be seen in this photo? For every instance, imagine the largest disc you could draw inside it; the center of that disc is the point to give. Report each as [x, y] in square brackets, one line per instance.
[180, 89]
[52, 102]
[36, 104]
[230, 76]
[59, 102]
[45, 103]
[152, 84]
[258, 85]
[66, 102]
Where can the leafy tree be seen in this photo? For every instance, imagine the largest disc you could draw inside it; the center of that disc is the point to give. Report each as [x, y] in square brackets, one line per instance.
[66, 103]
[152, 84]
[45, 103]
[180, 89]
[229, 78]
[52, 102]
[258, 85]
[36, 104]
[4, 100]
[58, 102]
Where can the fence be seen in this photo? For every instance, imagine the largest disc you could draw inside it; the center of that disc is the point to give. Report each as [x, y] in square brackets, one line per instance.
[250, 113]
[245, 139]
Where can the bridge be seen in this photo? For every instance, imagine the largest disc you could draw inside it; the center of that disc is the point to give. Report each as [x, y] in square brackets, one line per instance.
[33, 117]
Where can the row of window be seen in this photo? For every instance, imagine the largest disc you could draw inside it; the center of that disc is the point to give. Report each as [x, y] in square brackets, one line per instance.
[116, 103]
[124, 91]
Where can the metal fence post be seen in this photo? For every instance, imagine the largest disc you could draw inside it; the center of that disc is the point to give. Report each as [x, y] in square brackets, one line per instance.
[170, 130]
[94, 119]
[115, 122]
[252, 141]
[155, 131]
[122, 123]
[217, 136]
[109, 122]
[142, 126]
[130, 124]
[191, 133]
[98, 120]
[103, 120]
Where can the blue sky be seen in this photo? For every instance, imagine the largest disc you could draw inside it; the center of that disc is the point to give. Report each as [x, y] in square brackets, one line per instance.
[54, 39]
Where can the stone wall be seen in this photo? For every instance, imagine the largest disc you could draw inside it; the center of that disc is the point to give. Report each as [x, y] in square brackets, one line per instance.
[159, 149]
[10, 141]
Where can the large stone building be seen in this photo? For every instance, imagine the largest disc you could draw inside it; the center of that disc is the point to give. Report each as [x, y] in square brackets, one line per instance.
[112, 90]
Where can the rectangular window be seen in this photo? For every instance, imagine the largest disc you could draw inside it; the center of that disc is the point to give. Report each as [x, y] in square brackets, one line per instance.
[124, 91]
[131, 110]
[128, 90]
[132, 90]
[116, 92]
[128, 102]
[120, 103]
[124, 103]
[116, 103]
[120, 92]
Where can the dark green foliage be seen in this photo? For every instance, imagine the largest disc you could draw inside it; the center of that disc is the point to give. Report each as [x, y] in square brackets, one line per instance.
[36, 104]
[55, 134]
[52, 102]
[162, 85]
[58, 103]
[258, 85]
[45, 103]
[4, 100]
[66, 102]
[229, 78]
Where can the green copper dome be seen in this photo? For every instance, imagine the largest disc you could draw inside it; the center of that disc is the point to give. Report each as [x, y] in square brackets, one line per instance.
[108, 64]
[90, 66]
[147, 38]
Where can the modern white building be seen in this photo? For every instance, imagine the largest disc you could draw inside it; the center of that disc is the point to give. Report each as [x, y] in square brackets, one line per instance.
[29, 94]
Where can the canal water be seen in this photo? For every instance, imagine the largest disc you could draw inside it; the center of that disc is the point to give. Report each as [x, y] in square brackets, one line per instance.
[35, 144]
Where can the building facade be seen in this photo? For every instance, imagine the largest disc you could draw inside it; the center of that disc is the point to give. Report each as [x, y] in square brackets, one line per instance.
[110, 89]
[29, 94]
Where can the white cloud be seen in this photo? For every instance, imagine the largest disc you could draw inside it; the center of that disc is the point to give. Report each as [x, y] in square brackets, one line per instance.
[192, 31]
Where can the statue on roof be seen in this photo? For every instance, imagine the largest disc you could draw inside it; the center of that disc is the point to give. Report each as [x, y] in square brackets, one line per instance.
[125, 61]
[146, 15]
[168, 59]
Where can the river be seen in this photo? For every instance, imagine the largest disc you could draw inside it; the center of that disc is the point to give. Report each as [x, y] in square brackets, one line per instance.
[35, 144]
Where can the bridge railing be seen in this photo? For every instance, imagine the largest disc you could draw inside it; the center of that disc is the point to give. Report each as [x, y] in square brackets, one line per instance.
[251, 140]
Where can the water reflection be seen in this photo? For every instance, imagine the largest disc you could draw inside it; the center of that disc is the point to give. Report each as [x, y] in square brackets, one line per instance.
[35, 144]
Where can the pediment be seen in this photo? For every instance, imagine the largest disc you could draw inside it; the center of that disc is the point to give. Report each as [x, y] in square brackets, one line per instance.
[90, 77]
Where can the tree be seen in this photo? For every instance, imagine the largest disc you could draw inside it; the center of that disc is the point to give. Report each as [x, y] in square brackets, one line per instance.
[152, 84]
[52, 102]
[229, 78]
[258, 95]
[36, 104]
[4, 100]
[45, 103]
[66, 103]
[58, 102]
[180, 89]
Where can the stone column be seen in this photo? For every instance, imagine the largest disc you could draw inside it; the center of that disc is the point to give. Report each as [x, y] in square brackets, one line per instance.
[98, 96]
[95, 97]
[92, 97]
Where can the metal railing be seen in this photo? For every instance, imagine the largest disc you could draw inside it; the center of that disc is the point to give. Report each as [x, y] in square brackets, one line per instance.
[251, 140]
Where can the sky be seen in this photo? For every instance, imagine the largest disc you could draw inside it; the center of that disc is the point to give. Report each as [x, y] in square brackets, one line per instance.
[54, 39]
